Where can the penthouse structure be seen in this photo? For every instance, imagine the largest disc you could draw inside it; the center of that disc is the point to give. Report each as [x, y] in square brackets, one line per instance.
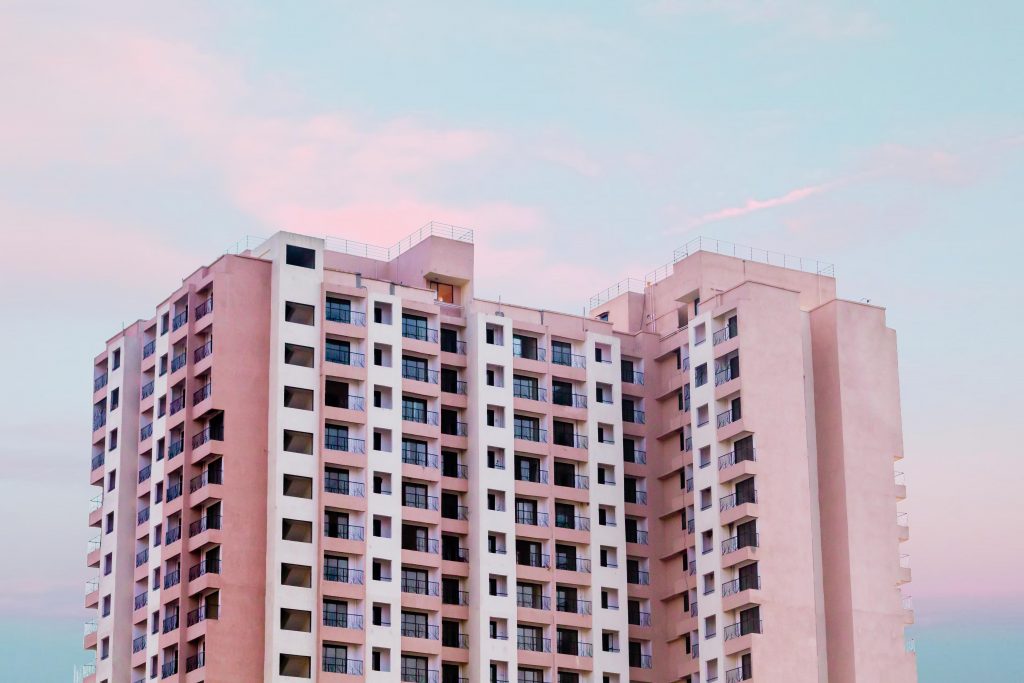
[322, 460]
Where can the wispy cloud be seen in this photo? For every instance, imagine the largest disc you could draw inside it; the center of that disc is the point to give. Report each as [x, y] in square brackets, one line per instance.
[754, 205]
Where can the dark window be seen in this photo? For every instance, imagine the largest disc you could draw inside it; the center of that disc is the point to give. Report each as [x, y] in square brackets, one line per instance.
[300, 256]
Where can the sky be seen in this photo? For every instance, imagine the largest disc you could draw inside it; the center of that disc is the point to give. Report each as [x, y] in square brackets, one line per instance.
[583, 142]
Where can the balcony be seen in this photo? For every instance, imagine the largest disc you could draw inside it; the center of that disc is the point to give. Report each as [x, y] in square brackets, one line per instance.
[203, 351]
[411, 330]
[174, 491]
[535, 475]
[204, 523]
[202, 393]
[530, 643]
[145, 472]
[139, 644]
[578, 523]
[738, 674]
[572, 564]
[204, 308]
[633, 377]
[724, 335]
[202, 568]
[179, 320]
[414, 674]
[420, 501]
[572, 360]
[454, 387]
[450, 554]
[560, 398]
[149, 349]
[459, 640]
[343, 531]
[173, 534]
[99, 382]
[574, 606]
[207, 477]
[634, 416]
[531, 518]
[341, 314]
[638, 577]
[574, 647]
[142, 557]
[640, 618]
[339, 665]
[537, 353]
[418, 373]
[141, 600]
[201, 614]
[142, 516]
[731, 545]
[170, 623]
[334, 483]
[97, 461]
[456, 428]
[736, 499]
[641, 661]
[147, 390]
[724, 375]
[99, 420]
[732, 458]
[343, 356]
[636, 536]
[196, 661]
[572, 481]
[414, 456]
[531, 601]
[529, 392]
[175, 448]
[422, 545]
[344, 620]
[209, 434]
[178, 362]
[571, 440]
[742, 628]
[344, 575]
[528, 433]
[417, 414]
[532, 559]
[741, 584]
[343, 442]
[635, 456]
[454, 597]
[636, 497]
[427, 631]
[168, 669]
[727, 418]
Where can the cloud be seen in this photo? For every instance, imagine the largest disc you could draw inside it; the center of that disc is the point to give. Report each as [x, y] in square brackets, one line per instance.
[754, 205]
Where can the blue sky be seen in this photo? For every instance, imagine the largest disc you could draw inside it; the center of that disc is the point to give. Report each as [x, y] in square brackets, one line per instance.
[583, 142]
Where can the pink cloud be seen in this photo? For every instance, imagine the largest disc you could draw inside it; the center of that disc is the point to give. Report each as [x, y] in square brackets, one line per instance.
[754, 205]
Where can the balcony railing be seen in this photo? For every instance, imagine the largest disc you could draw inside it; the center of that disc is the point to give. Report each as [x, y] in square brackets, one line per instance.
[634, 416]
[638, 536]
[149, 349]
[178, 362]
[343, 442]
[638, 577]
[416, 372]
[173, 534]
[334, 483]
[97, 461]
[170, 623]
[141, 600]
[641, 661]
[414, 456]
[740, 584]
[742, 628]
[633, 377]
[202, 568]
[419, 332]
[725, 375]
[635, 456]
[577, 522]
[421, 501]
[99, 382]
[731, 458]
[573, 360]
[731, 545]
[207, 522]
[343, 575]
[344, 620]
[340, 665]
[202, 393]
[722, 335]
[202, 613]
[529, 392]
[456, 471]
[207, 477]
[179, 320]
[422, 545]
[528, 433]
[417, 414]
[572, 564]
[532, 518]
[142, 516]
[340, 314]
[636, 497]
[736, 499]
[414, 674]
[532, 601]
[572, 481]
[574, 605]
[531, 559]
[209, 434]
[451, 554]
[536, 475]
[168, 669]
[571, 440]
[560, 398]
[175, 448]
[204, 308]
[196, 661]
[343, 531]
[574, 647]
[203, 351]
[458, 387]
[455, 428]
[540, 353]
[142, 557]
[173, 491]
[345, 357]
[176, 405]
[98, 420]
[738, 674]
[533, 643]
[147, 390]
[428, 631]
[727, 418]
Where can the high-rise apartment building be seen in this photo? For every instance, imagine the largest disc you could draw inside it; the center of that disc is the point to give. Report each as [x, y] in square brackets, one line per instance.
[322, 460]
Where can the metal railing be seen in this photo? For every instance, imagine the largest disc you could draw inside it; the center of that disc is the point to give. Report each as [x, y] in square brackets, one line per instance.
[147, 390]
[726, 418]
[636, 456]
[345, 357]
[202, 568]
[731, 458]
[723, 335]
[736, 499]
[178, 362]
[725, 375]
[574, 605]
[202, 613]
[428, 631]
[207, 522]
[344, 620]
[532, 559]
[528, 433]
[202, 393]
[204, 308]
[532, 643]
[572, 360]
[179, 320]
[340, 314]
[422, 545]
[335, 483]
[343, 575]
[638, 577]
[731, 545]
[419, 373]
[343, 531]
[418, 414]
[196, 661]
[531, 518]
[740, 584]
[412, 330]
[742, 628]
[343, 442]
[576, 522]
[149, 349]
[211, 433]
[341, 665]
[533, 601]
[414, 456]
[207, 477]
[634, 416]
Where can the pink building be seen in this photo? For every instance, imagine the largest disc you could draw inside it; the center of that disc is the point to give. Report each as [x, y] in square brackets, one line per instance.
[323, 460]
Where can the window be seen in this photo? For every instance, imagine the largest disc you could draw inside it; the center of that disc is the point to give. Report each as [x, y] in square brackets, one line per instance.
[300, 256]
[700, 375]
[445, 292]
[302, 355]
[414, 327]
[561, 353]
[338, 310]
[301, 314]
[117, 359]
[115, 399]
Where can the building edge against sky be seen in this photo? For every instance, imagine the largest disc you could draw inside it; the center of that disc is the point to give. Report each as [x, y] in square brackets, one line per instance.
[374, 473]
